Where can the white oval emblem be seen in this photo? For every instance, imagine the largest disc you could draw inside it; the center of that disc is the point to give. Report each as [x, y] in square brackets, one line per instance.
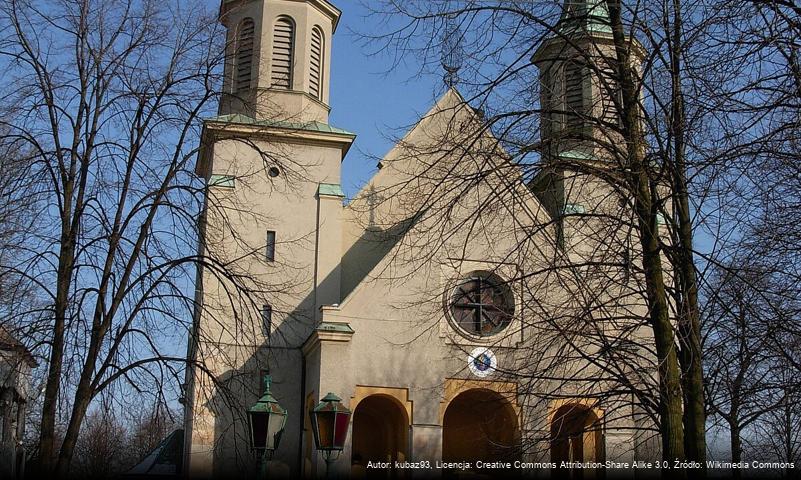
[482, 362]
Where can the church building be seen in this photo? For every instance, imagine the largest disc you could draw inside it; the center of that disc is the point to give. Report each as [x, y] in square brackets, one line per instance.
[421, 301]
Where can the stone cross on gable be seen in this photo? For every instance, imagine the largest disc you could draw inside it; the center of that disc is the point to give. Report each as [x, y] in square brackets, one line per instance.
[373, 199]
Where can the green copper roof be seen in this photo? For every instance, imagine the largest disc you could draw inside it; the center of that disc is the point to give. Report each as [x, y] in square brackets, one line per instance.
[335, 327]
[330, 189]
[576, 155]
[240, 119]
[589, 16]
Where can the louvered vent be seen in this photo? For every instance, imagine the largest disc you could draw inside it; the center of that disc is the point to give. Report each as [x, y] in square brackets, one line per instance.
[610, 94]
[283, 47]
[244, 55]
[316, 65]
[574, 94]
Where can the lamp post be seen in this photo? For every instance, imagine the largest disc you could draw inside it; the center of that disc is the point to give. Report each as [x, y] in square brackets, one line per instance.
[266, 421]
[330, 420]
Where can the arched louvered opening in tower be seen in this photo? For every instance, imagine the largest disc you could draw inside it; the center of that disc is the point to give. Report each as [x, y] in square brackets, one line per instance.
[609, 89]
[283, 53]
[244, 56]
[549, 97]
[316, 64]
[575, 98]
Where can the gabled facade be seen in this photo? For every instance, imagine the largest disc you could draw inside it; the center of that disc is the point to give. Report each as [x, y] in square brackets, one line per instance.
[426, 346]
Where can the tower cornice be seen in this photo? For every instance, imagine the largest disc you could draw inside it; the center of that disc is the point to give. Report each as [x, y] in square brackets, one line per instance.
[240, 126]
[324, 6]
[559, 41]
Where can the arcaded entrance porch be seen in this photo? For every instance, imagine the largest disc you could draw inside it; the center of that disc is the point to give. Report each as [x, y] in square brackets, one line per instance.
[476, 420]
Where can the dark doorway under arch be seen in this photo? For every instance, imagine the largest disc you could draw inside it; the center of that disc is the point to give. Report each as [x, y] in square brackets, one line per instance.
[380, 434]
[481, 425]
[576, 436]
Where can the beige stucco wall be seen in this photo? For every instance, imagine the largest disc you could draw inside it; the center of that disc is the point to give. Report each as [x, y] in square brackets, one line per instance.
[302, 277]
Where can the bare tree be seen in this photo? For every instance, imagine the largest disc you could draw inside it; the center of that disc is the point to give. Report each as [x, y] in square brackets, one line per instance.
[149, 428]
[753, 289]
[18, 213]
[108, 100]
[776, 436]
[742, 321]
[102, 447]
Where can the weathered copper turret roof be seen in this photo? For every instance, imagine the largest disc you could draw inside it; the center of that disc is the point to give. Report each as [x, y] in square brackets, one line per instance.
[584, 16]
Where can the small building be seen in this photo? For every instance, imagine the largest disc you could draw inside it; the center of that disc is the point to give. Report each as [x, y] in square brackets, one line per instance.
[16, 363]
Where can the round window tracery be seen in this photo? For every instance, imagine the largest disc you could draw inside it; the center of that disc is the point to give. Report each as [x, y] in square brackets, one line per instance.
[482, 304]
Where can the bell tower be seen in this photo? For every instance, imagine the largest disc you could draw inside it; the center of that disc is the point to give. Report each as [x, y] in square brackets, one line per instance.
[274, 212]
[278, 57]
[578, 90]
[580, 121]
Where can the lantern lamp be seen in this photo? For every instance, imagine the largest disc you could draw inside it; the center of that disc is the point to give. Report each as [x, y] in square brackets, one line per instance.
[266, 420]
[330, 420]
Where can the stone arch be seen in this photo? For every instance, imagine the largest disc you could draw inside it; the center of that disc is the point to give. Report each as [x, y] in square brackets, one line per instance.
[401, 395]
[455, 386]
[480, 424]
[576, 432]
[380, 434]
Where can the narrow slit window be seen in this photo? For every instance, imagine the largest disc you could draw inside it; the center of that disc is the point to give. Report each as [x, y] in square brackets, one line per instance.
[316, 64]
[267, 320]
[244, 56]
[270, 249]
[283, 53]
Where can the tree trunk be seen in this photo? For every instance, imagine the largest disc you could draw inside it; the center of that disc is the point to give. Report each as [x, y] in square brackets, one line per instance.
[671, 418]
[47, 435]
[670, 392]
[689, 326]
[82, 400]
[736, 447]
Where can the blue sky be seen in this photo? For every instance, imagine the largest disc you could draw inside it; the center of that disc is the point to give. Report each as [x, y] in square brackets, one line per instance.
[369, 98]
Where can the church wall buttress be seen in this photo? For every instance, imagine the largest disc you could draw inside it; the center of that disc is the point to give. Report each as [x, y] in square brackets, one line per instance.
[329, 245]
